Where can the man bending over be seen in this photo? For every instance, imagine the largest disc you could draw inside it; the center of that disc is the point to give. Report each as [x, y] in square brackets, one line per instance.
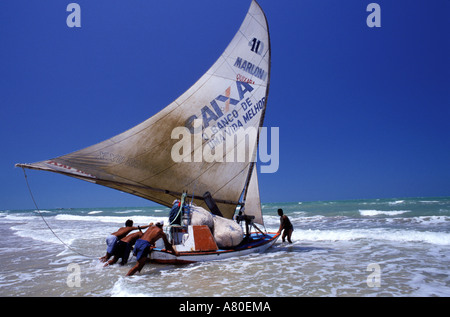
[144, 245]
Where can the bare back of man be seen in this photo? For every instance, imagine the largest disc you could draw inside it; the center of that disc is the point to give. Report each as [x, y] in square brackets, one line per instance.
[122, 232]
[131, 238]
[145, 244]
[118, 235]
[152, 234]
[124, 247]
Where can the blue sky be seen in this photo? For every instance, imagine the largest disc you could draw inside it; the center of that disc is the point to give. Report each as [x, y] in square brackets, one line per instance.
[363, 112]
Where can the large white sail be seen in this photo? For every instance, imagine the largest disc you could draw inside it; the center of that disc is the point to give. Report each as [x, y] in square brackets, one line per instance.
[252, 201]
[230, 97]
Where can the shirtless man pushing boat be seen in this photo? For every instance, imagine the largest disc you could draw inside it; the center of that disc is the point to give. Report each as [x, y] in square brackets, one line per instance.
[124, 247]
[112, 239]
[146, 243]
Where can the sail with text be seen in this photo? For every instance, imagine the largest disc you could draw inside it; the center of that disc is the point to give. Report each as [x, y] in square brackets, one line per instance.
[230, 97]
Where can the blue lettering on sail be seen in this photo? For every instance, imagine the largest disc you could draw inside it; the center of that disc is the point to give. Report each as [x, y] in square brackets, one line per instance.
[251, 110]
[250, 68]
[213, 112]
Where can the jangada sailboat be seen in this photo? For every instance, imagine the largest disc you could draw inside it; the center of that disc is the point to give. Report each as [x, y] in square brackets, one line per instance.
[150, 160]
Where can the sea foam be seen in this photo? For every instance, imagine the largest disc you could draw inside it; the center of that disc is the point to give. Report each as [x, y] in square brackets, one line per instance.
[379, 234]
[382, 212]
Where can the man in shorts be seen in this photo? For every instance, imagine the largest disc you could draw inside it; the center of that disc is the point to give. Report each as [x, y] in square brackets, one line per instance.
[112, 239]
[123, 248]
[145, 244]
[286, 225]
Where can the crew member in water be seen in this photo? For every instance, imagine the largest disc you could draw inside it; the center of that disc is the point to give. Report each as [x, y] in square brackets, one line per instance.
[124, 246]
[146, 243]
[112, 239]
[286, 225]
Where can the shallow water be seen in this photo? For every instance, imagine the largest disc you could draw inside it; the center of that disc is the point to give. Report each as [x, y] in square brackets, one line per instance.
[390, 247]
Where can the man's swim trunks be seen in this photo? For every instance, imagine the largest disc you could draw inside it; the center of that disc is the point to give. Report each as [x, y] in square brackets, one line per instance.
[111, 241]
[122, 250]
[141, 249]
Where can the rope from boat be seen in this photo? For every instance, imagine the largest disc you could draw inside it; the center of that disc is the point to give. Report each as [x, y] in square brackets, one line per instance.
[45, 221]
[179, 210]
[178, 213]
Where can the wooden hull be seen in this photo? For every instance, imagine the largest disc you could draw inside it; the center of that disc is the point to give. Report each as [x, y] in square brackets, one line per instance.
[257, 243]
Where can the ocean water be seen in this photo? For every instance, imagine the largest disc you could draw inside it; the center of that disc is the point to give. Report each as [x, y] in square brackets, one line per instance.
[382, 247]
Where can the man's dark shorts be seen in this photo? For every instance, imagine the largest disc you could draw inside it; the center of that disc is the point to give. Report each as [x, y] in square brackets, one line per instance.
[122, 250]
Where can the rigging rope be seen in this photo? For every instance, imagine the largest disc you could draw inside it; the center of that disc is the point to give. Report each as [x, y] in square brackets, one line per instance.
[48, 226]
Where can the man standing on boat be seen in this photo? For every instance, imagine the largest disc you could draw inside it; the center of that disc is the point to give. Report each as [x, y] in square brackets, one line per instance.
[286, 225]
[146, 243]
